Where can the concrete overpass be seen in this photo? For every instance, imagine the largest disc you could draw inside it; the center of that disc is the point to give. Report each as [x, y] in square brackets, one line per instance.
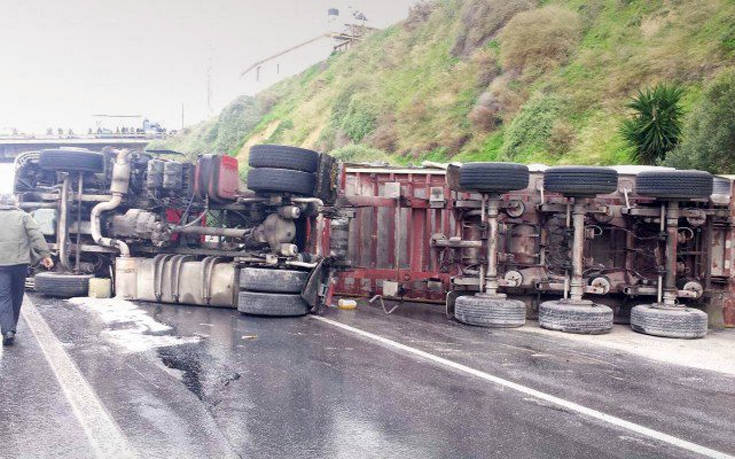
[10, 148]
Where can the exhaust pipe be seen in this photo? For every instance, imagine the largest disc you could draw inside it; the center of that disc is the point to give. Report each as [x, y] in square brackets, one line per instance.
[119, 186]
[63, 225]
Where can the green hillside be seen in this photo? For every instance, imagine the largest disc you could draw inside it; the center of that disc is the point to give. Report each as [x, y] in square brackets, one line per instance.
[490, 80]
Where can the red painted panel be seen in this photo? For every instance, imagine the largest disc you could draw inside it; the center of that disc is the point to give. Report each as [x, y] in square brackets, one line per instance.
[375, 244]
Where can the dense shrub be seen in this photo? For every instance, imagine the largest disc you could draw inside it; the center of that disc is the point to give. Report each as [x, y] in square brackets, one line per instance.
[353, 113]
[561, 137]
[418, 13]
[531, 128]
[541, 38]
[487, 67]
[497, 104]
[655, 126]
[485, 115]
[384, 137]
[360, 119]
[482, 19]
[709, 134]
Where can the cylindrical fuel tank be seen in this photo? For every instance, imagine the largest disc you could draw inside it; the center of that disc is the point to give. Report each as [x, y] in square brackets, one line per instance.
[178, 279]
[126, 279]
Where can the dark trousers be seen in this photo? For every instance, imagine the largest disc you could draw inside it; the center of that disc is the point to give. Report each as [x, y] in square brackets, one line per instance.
[12, 285]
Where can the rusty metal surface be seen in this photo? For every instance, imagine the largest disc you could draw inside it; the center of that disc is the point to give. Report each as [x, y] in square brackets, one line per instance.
[425, 240]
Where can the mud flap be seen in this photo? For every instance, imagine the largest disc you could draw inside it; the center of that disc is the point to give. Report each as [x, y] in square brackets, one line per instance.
[315, 289]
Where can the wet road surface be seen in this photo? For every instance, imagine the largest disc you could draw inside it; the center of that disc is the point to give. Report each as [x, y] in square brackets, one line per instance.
[210, 382]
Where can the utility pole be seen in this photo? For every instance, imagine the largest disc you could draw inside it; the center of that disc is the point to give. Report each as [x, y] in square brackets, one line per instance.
[182, 116]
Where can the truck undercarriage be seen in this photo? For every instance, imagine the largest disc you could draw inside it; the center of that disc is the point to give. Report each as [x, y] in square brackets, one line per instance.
[579, 247]
[177, 232]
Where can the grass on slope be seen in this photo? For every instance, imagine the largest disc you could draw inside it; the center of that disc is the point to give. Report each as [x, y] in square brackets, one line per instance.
[474, 80]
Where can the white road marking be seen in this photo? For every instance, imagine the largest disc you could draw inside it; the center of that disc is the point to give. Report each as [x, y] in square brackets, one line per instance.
[103, 433]
[571, 406]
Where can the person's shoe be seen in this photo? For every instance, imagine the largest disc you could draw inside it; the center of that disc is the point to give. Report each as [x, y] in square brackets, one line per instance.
[9, 339]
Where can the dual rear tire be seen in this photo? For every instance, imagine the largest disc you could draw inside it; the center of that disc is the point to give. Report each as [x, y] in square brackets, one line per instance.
[272, 292]
[282, 169]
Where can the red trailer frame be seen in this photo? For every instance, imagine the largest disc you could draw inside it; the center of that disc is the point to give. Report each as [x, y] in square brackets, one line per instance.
[397, 213]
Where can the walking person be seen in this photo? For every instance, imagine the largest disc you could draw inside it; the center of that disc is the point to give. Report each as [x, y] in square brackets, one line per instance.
[21, 241]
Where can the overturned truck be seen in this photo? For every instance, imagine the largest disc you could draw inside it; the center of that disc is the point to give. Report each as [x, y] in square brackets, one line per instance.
[180, 232]
[578, 247]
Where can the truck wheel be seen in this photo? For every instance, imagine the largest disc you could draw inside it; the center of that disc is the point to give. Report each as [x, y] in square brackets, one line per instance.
[283, 157]
[271, 304]
[273, 180]
[592, 319]
[272, 280]
[668, 322]
[580, 180]
[490, 312]
[62, 285]
[71, 160]
[493, 177]
[674, 184]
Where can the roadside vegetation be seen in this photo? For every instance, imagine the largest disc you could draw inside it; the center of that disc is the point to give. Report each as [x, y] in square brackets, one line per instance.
[655, 127]
[557, 81]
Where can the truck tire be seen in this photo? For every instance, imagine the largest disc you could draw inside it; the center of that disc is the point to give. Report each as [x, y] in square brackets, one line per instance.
[271, 304]
[271, 180]
[283, 157]
[674, 184]
[62, 285]
[593, 319]
[669, 322]
[580, 180]
[490, 312]
[272, 280]
[71, 160]
[493, 177]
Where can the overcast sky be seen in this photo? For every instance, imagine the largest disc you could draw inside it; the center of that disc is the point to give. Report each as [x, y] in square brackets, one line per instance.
[63, 61]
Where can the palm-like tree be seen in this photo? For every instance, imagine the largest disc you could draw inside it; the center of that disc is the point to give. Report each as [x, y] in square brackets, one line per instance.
[655, 127]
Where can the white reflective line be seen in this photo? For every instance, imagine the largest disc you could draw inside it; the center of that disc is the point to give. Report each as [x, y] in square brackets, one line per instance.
[583, 410]
[103, 433]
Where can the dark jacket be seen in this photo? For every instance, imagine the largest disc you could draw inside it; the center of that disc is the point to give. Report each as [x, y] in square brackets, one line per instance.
[21, 240]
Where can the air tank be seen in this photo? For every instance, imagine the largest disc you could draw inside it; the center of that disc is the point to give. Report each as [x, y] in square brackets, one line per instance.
[154, 174]
[172, 174]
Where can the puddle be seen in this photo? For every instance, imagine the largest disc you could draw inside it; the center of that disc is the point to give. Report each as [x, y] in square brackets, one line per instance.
[130, 327]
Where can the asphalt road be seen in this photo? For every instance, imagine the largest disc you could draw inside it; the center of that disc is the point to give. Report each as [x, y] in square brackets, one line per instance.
[186, 381]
